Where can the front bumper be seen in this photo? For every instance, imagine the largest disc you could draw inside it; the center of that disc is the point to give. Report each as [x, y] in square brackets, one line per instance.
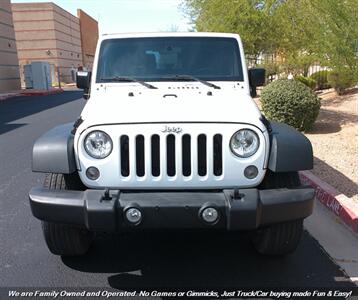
[248, 209]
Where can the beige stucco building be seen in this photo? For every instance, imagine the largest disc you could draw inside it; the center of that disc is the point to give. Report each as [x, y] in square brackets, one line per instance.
[46, 32]
[9, 66]
[89, 37]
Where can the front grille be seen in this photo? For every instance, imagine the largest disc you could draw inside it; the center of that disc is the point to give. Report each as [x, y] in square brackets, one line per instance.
[171, 155]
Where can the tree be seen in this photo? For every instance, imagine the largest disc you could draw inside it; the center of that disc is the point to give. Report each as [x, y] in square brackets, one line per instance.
[338, 23]
[299, 31]
[252, 19]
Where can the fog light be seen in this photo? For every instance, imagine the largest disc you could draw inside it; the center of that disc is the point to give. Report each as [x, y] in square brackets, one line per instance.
[251, 172]
[210, 215]
[133, 215]
[92, 173]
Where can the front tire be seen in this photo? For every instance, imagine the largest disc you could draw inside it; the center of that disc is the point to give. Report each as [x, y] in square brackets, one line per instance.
[281, 238]
[62, 239]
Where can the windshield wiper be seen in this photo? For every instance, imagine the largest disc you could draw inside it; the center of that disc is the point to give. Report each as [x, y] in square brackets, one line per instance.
[189, 77]
[128, 79]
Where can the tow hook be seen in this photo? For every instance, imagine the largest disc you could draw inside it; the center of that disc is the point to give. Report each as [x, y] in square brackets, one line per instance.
[236, 195]
[107, 196]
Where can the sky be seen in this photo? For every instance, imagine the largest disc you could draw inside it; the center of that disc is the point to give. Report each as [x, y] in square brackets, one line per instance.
[128, 15]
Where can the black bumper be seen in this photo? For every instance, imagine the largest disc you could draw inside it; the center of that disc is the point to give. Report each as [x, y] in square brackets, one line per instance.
[249, 209]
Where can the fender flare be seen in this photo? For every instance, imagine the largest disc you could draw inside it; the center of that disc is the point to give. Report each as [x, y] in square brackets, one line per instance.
[53, 152]
[290, 150]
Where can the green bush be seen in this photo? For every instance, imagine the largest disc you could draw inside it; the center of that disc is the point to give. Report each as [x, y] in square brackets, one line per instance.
[321, 78]
[341, 80]
[311, 83]
[290, 102]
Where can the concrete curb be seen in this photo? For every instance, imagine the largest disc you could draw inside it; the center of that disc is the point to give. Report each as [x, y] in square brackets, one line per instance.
[342, 206]
[4, 97]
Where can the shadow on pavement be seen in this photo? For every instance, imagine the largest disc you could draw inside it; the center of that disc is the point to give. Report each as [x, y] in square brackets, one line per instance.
[204, 260]
[19, 107]
[8, 127]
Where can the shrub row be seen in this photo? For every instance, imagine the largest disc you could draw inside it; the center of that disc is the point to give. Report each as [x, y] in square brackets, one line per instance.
[321, 78]
[311, 83]
[340, 80]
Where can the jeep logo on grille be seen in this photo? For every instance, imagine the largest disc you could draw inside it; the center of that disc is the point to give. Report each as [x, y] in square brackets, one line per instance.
[172, 129]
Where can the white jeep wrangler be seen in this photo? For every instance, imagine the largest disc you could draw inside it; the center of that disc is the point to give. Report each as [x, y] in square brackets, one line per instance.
[170, 138]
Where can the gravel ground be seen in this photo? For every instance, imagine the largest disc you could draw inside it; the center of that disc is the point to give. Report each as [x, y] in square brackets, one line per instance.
[335, 142]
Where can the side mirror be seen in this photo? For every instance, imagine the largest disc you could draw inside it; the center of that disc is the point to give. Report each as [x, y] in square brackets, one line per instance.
[83, 81]
[256, 78]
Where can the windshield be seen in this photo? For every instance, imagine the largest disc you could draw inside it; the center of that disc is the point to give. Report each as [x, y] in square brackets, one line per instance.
[161, 58]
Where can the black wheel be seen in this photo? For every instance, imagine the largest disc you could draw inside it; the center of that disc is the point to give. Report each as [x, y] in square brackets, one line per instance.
[282, 238]
[278, 239]
[64, 239]
[55, 181]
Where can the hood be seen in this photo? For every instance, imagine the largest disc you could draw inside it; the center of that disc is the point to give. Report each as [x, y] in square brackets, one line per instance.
[186, 103]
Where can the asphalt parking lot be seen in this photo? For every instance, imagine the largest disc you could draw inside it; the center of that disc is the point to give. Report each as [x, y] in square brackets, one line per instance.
[147, 260]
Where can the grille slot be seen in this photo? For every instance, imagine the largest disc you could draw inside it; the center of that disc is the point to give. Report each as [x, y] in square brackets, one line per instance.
[171, 155]
[202, 168]
[124, 155]
[155, 150]
[186, 155]
[140, 155]
[218, 155]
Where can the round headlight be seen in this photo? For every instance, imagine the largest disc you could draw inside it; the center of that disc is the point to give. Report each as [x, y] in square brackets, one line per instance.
[98, 144]
[244, 143]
